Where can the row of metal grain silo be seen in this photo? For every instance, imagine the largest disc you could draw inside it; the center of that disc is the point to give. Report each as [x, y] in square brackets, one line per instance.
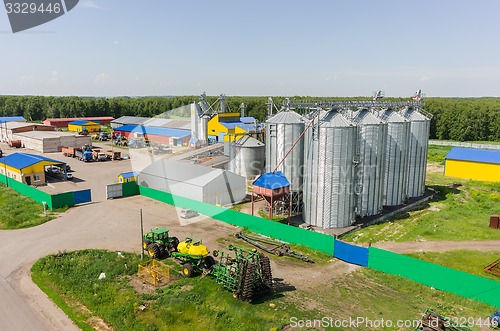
[348, 166]
[329, 171]
[282, 131]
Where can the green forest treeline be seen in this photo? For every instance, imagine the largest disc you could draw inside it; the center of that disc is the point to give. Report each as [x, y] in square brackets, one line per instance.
[461, 119]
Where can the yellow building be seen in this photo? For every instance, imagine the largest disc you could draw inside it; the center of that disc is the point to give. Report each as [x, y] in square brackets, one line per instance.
[79, 126]
[226, 126]
[28, 168]
[471, 163]
[126, 177]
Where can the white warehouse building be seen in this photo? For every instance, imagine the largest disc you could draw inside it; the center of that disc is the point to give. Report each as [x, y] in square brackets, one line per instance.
[200, 183]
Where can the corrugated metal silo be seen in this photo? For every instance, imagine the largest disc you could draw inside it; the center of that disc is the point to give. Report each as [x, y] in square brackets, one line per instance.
[246, 157]
[396, 159]
[282, 130]
[370, 156]
[329, 171]
[417, 151]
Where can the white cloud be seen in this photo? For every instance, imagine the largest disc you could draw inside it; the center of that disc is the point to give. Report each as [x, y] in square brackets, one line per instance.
[101, 79]
[54, 77]
[27, 79]
[424, 78]
[116, 42]
[90, 4]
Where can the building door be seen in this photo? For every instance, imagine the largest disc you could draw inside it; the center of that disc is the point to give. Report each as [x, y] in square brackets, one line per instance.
[28, 180]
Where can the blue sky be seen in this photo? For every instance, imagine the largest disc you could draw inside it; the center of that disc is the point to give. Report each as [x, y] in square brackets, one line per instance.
[276, 48]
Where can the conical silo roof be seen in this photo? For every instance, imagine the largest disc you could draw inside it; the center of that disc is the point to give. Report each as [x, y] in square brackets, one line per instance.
[287, 117]
[334, 119]
[247, 141]
[364, 116]
[391, 116]
[414, 115]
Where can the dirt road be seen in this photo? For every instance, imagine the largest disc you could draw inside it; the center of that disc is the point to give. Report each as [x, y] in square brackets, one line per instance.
[439, 246]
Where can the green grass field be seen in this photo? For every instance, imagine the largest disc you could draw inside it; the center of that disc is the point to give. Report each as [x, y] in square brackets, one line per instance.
[472, 262]
[18, 211]
[460, 212]
[71, 281]
[437, 153]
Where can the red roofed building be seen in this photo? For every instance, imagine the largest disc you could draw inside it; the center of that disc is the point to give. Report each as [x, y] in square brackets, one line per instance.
[63, 122]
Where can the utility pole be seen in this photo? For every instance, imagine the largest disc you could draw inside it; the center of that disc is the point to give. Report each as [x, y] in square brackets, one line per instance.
[142, 236]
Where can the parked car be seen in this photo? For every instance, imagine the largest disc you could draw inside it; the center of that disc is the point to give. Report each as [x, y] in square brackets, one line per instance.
[188, 213]
[54, 169]
[69, 176]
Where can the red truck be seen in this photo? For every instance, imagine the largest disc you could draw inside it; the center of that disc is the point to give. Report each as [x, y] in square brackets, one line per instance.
[68, 151]
[15, 143]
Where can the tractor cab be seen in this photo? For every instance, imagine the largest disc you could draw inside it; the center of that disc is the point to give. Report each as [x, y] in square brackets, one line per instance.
[160, 234]
[158, 243]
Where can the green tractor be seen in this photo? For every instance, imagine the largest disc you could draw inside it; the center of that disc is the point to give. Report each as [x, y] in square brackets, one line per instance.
[247, 274]
[159, 244]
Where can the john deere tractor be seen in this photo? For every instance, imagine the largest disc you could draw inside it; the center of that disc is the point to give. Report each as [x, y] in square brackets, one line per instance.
[247, 274]
[194, 257]
[159, 244]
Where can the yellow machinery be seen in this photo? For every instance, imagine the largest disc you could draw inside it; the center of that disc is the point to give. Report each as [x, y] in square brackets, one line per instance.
[194, 257]
[189, 246]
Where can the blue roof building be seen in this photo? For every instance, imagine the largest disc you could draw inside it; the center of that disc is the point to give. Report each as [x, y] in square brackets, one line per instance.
[130, 176]
[6, 119]
[27, 168]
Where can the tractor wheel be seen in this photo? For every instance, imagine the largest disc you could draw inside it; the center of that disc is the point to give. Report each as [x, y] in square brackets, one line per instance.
[209, 262]
[172, 246]
[163, 251]
[248, 282]
[187, 270]
[154, 250]
[265, 265]
[145, 243]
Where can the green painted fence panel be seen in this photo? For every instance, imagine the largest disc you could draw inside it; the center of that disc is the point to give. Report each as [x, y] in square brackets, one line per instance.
[130, 189]
[294, 235]
[31, 192]
[62, 199]
[434, 275]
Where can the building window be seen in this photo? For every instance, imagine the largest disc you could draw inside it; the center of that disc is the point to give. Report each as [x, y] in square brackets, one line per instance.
[36, 178]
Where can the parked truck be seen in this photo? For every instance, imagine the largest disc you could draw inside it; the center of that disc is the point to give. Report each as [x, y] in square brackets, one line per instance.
[15, 143]
[68, 151]
[83, 155]
[137, 143]
[99, 155]
[113, 155]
